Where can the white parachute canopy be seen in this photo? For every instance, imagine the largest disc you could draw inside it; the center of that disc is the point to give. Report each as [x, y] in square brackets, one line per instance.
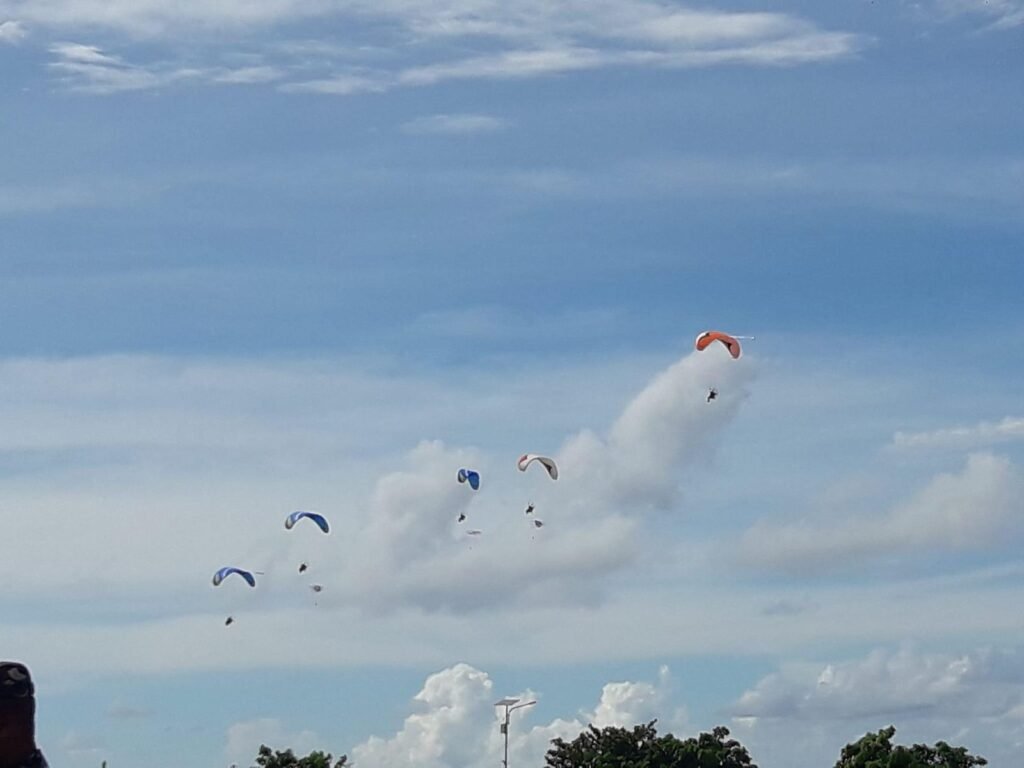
[549, 464]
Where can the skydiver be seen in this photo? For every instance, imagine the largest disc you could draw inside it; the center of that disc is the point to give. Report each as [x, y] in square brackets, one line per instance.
[462, 516]
[303, 567]
[712, 394]
[229, 621]
[538, 523]
[529, 508]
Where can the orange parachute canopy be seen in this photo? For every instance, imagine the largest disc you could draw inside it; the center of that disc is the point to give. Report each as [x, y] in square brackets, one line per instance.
[708, 337]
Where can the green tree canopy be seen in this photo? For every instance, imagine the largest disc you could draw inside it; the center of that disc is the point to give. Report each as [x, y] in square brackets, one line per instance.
[269, 758]
[875, 750]
[641, 747]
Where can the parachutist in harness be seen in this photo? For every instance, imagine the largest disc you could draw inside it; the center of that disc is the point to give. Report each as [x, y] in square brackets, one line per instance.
[712, 394]
[303, 567]
[462, 516]
[229, 621]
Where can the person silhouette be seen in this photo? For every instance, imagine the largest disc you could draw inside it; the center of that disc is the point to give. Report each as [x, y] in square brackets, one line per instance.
[18, 718]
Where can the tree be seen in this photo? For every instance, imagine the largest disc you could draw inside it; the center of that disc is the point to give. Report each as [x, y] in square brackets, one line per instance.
[641, 747]
[875, 750]
[268, 758]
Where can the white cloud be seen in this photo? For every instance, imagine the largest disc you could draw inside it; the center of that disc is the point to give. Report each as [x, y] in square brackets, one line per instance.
[407, 553]
[249, 75]
[664, 430]
[802, 714]
[12, 31]
[979, 435]
[906, 682]
[176, 426]
[84, 54]
[86, 68]
[339, 85]
[508, 64]
[625, 704]
[243, 740]
[525, 38]
[1005, 14]
[977, 509]
[455, 124]
[456, 725]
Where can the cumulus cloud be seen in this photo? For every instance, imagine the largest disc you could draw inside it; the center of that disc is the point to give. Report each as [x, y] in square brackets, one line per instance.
[978, 435]
[905, 682]
[119, 464]
[803, 713]
[666, 429]
[629, 703]
[976, 509]
[456, 722]
[411, 550]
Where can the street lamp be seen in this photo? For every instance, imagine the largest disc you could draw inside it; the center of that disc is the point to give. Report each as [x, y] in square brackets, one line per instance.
[510, 705]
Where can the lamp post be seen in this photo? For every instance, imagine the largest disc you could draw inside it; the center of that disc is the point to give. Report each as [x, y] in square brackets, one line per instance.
[510, 705]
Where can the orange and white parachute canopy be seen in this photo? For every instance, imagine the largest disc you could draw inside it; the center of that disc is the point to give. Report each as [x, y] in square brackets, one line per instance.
[549, 464]
[731, 343]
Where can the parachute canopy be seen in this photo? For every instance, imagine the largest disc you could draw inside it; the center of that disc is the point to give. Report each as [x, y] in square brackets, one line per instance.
[470, 476]
[316, 517]
[474, 532]
[549, 464]
[731, 343]
[223, 573]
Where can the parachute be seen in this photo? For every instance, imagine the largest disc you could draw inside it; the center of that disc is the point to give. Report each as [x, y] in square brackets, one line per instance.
[317, 518]
[470, 476]
[474, 532]
[549, 464]
[223, 573]
[731, 343]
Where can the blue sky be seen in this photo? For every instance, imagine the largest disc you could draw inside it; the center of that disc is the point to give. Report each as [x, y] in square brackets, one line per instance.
[267, 256]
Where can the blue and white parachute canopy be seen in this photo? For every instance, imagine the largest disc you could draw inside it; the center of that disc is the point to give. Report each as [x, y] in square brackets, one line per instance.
[316, 517]
[223, 573]
[549, 464]
[470, 476]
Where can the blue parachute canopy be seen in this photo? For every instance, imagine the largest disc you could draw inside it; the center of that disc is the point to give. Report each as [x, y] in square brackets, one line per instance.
[223, 573]
[470, 476]
[316, 517]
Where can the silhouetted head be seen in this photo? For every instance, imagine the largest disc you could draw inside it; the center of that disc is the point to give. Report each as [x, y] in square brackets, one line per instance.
[17, 714]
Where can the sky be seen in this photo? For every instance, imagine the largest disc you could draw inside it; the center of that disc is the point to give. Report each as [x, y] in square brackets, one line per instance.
[267, 256]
